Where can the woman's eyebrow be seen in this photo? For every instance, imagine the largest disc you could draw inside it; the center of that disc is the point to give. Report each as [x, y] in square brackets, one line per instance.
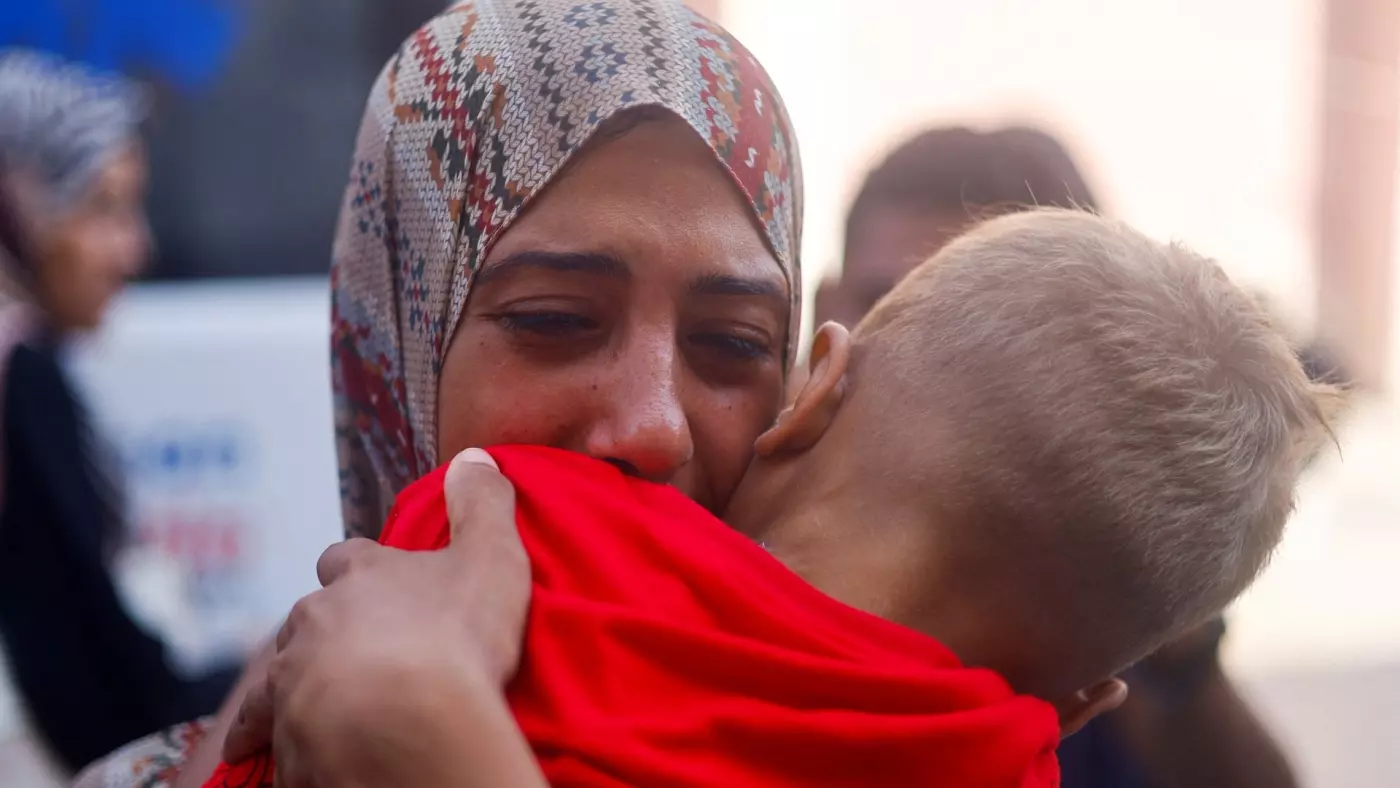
[730, 285]
[572, 262]
[602, 264]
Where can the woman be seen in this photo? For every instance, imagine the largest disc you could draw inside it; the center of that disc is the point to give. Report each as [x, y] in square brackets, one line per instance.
[72, 231]
[616, 187]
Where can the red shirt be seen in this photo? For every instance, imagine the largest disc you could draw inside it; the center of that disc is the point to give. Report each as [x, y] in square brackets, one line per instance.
[665, 649]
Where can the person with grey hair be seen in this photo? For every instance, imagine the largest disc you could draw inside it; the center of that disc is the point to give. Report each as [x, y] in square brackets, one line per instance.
[72, 232]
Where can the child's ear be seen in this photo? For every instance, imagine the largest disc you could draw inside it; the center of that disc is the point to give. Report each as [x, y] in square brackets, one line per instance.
[1077, 710]
[803, 423]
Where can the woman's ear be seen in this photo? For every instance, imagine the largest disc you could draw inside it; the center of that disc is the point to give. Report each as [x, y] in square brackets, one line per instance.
[803, 423]
[1086, 704]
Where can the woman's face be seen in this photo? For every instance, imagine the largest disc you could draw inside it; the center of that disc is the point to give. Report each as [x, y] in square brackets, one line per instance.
[633, 313]
[87, 255]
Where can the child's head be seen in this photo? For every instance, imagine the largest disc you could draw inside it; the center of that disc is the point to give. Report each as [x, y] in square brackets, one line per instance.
[1100, 435]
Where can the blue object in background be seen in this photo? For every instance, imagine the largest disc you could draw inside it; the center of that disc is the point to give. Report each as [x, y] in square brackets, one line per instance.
[185, 42]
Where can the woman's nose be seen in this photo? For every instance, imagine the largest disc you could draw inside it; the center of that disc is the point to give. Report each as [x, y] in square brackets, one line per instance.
[645, 431]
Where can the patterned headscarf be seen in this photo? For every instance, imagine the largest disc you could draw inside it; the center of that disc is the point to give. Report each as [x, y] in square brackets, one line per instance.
[479, 111]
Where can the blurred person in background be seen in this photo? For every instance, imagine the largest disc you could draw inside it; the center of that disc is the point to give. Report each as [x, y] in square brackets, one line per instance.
[72, 232]
[1184, 725]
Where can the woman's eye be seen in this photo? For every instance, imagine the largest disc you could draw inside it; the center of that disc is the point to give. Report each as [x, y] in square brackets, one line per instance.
[546, 323]
[735, 346]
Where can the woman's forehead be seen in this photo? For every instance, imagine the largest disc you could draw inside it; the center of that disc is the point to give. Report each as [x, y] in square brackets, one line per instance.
[653, 197]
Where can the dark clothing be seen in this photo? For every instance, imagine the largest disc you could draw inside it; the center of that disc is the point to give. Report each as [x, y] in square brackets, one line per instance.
[90, 677]
[1095, 757]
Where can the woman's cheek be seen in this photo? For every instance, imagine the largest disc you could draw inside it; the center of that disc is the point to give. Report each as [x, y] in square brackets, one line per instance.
[725, 436]
[532, 415]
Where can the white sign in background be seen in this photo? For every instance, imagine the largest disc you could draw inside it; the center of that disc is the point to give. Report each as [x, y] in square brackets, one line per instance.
[217, 396]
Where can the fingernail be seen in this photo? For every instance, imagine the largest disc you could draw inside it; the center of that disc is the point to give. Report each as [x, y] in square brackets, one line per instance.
[477, 457]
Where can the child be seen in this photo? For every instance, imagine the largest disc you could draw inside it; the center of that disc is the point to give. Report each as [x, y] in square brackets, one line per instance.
[1052, 448]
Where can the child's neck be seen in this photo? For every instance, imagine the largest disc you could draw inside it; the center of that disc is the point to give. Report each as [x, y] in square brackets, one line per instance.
[841, 535]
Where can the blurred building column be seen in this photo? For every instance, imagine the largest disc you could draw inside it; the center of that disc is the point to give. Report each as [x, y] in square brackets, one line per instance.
[1355, 212]
[709, 8]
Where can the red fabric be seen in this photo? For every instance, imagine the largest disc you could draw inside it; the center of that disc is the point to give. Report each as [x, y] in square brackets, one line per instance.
[665, 649]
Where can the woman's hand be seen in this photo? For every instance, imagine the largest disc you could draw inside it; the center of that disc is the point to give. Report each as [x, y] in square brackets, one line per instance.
[371, 670]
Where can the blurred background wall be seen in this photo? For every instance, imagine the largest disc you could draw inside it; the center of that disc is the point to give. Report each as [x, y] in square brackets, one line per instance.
[1197, 120]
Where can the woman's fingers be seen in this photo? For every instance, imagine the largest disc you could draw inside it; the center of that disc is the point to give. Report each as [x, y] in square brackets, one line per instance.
[494, 592]
[252, 729]
[333, 701]
[479, 498]
[288, 770]
[338, 559]
[300, 612]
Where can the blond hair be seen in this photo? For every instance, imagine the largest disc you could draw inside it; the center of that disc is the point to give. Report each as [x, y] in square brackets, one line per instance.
[1126, 427]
